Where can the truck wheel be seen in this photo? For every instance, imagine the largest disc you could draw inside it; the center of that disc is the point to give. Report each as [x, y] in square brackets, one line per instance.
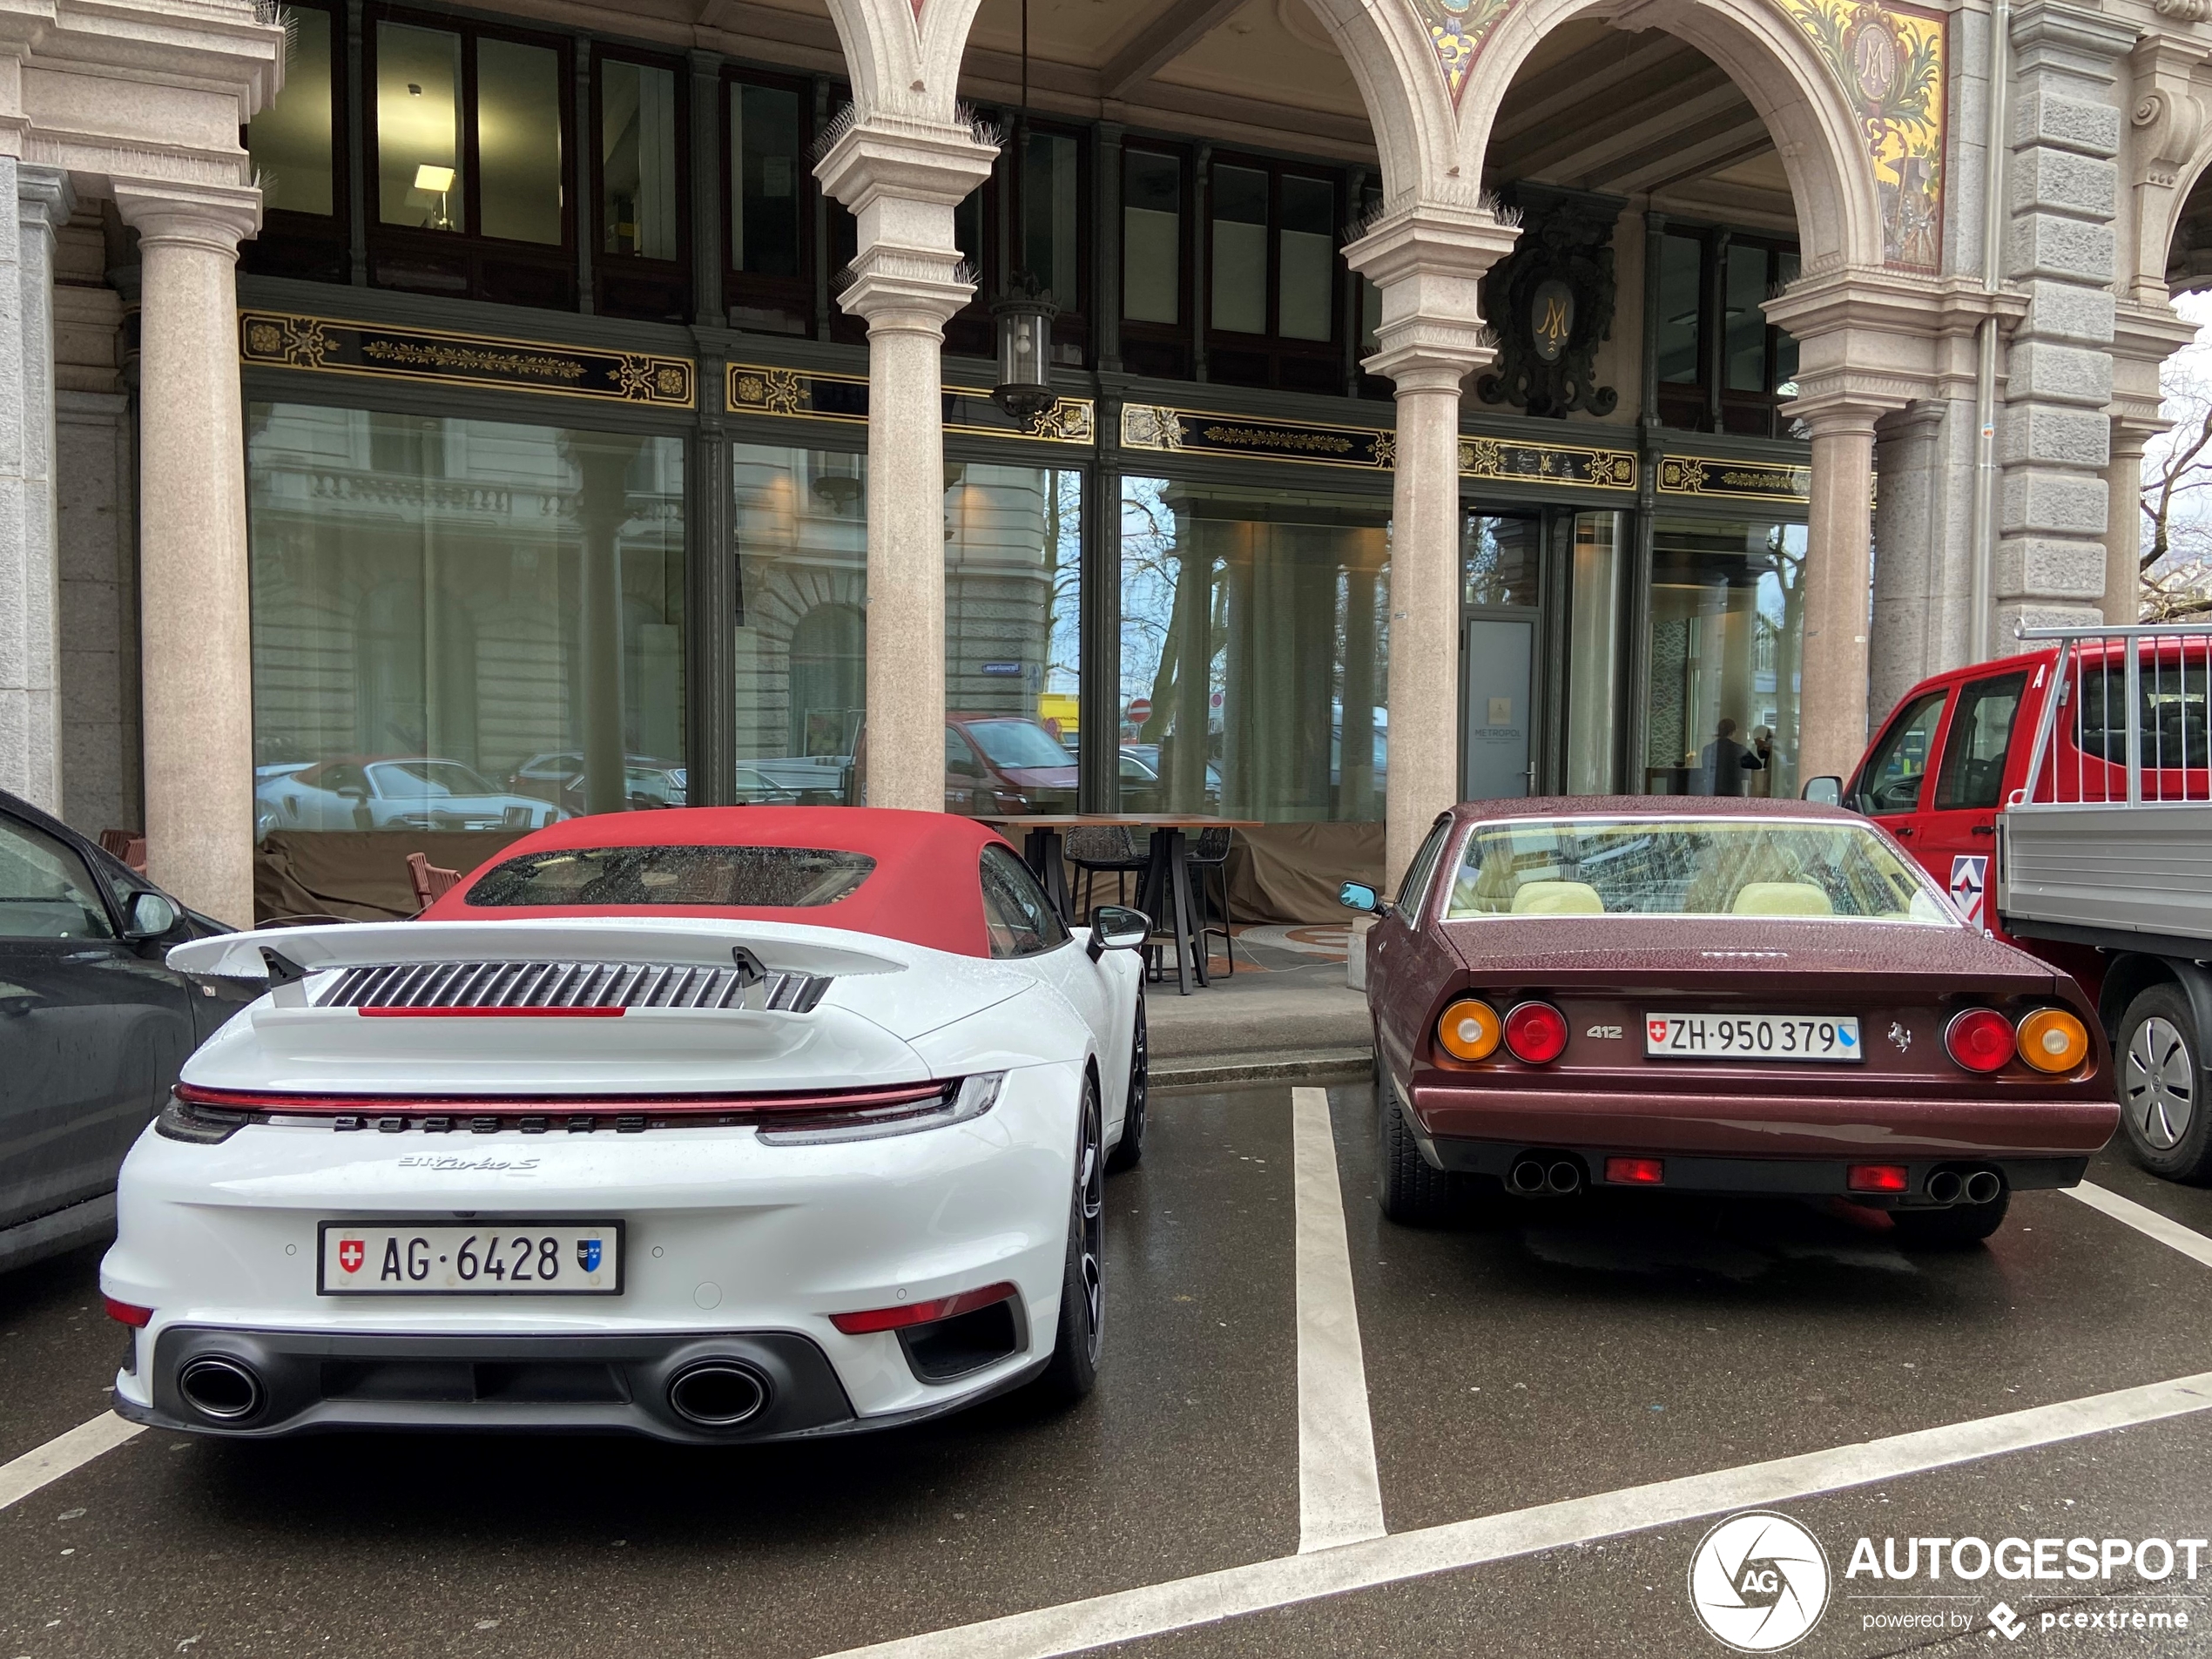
[2161, 1086]
[1952, 1229]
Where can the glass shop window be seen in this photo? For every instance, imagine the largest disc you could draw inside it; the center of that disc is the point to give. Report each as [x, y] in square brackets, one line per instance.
[1682, 265]
[1013, 611]
[768, 178]
[639, 193]
[291, 141]
[1723, 650]
[1597, 599]
[518, 147]
[1152, 238]
[418, 128]
[470, 136]
[1239, 291]
[1254, 660]
[1305, 288]
[1051, 211]
[462, 625]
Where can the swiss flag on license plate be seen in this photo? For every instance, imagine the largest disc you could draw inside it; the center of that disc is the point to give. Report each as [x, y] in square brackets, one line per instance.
[1658, 1030]
[351, 1254]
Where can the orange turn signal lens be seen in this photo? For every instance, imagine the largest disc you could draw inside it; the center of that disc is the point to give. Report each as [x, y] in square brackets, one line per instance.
[1470, 1029]
[2054, 1039]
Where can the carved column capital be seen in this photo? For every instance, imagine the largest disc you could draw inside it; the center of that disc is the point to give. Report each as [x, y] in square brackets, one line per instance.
[1428, 261]
[902, 178]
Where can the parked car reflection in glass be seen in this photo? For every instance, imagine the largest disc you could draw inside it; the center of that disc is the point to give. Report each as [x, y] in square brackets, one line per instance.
[417, 792]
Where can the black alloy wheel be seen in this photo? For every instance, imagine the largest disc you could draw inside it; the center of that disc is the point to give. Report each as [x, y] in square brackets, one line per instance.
[1073, 1371]
[2161, 1086]
[1411, 1193]
[1131, 1147]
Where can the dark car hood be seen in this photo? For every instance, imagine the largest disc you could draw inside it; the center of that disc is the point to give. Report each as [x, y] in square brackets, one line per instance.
[1039, 777]
[1594, 950]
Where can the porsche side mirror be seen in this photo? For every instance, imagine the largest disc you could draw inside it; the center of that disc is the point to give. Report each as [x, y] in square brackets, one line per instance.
[1113, 927]
[1358, 895]
[1824, 792]
[152, 914]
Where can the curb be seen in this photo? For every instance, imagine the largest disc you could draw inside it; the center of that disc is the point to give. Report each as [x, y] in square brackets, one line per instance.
[1311, 1065]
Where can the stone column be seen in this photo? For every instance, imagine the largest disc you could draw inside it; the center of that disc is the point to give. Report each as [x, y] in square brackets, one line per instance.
[2053, 430]
[31, 702]
[1831, 709]
[902, 178]
[195, 636]
[1428, 264]
[2123, 597]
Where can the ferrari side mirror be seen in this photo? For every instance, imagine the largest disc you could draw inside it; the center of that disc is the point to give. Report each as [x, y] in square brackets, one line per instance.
[1358, 895]
[1113, 927]
[1824, 792]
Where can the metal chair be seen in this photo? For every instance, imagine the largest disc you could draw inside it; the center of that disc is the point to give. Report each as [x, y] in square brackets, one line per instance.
[1209, 856]
[1104, 849]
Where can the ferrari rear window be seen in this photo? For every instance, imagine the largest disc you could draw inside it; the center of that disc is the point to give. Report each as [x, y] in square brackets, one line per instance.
[1769, 869]
[769, 878]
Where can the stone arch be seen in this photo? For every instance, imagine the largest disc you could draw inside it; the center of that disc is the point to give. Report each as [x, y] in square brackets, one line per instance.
[904, 56]
[1410, 106]
[1777, 69]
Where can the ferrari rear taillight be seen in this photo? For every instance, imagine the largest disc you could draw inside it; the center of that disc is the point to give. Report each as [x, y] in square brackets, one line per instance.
[1468, 1030]
[1878, 1178]
[1980, 1040]
[942, 1307]
[2053, 1040]
[1536, 1033]
[1636, 1172]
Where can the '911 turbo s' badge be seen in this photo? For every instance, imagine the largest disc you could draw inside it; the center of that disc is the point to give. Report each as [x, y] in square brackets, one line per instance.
[587, 1254]
[351, 1254]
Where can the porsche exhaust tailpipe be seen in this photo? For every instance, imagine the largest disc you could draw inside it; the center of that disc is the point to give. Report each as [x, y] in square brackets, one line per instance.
[1944, 1186]
[222, 1389]
[1563, 1177]
[1527, 1178]
[717, 1393]
[1983, 1186]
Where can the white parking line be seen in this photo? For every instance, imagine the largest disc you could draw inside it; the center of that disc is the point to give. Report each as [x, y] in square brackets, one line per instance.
[2145, 1221]
[1340, 1493]
[43, 1465]
[1155, 1609]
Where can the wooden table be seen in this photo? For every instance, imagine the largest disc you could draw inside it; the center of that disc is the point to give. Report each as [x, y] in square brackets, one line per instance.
[1166, 884]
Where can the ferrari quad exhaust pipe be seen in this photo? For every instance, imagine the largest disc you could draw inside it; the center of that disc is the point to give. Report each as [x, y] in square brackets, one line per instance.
[218, 1387]
[717, 1393]
[1983, 1186]
[1533, 1176]
[1945, 1185]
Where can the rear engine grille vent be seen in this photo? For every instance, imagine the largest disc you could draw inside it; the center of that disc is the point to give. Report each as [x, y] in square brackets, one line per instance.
[570, 985]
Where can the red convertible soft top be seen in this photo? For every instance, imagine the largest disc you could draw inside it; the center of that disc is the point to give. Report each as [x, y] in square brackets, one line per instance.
[925, 888]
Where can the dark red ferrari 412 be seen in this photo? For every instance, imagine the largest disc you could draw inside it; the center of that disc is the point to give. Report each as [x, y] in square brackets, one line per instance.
[1714, 996]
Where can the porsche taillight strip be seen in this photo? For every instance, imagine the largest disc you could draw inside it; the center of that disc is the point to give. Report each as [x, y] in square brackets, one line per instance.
[559, 1106]
[566, 988]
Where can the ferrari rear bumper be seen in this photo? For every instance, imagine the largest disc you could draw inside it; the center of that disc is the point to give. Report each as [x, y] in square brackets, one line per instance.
[1986, 1127]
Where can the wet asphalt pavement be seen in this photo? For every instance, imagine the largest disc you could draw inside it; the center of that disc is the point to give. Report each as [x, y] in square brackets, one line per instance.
[1568, 1350]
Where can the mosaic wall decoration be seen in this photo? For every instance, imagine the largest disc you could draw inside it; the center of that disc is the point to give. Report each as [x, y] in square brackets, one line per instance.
[1455, 31]
[1888, 59]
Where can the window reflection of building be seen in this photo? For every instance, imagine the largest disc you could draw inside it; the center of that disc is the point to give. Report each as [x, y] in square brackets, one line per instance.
[1253, 651]
[1722, 654]
[471, 591]
[1012, 613]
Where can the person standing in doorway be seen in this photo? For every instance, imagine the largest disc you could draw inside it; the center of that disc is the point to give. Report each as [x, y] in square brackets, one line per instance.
[1721, 767]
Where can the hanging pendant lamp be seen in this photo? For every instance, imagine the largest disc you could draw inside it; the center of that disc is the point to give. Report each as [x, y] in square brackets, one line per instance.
[1022, 314]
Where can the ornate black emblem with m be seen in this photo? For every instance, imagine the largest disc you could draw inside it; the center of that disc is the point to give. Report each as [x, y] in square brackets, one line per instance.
[1551, 302]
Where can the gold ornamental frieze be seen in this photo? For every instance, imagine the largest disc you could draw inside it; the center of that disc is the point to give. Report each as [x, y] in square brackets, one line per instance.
[376, 351]
[756, 388]
[1723, 478]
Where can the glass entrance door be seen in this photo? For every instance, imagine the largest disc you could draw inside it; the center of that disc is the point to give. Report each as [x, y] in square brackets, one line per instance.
[1502, 567]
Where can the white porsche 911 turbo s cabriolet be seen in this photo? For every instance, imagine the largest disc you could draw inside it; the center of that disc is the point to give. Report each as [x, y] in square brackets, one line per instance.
[716, 1124]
